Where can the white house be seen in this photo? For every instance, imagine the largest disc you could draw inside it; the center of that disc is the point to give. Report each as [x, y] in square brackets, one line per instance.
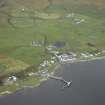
[65, 58]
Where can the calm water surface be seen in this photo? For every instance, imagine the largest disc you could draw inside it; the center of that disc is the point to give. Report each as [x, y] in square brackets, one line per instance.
[88, 87]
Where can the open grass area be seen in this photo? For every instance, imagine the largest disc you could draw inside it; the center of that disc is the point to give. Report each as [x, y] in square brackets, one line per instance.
[81, 28]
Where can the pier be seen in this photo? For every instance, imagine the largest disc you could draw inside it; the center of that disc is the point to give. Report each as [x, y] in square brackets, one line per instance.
[66, 83]
[47, 75]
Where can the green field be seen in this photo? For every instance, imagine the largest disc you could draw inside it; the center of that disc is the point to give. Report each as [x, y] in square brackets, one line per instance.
[81, 28]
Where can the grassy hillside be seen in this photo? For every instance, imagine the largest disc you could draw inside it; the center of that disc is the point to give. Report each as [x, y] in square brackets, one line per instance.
[78, 23]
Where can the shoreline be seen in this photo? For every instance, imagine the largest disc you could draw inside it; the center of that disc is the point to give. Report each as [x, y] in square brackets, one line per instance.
[57, 67]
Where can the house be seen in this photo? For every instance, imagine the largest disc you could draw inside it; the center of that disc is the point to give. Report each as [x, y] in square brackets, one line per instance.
[70, 15]
[12, 78]
[45, 63]
[86, 55]
[78, 21]
[65, 57]
[36, 43]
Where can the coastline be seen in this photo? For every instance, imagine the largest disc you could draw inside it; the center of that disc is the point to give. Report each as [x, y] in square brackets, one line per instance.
[54, 72]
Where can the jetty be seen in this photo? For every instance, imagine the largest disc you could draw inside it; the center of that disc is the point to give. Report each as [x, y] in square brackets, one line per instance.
[66, 83]
[47, 75]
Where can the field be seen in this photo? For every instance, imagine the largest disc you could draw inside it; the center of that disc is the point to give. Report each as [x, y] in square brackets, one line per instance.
[81, 25]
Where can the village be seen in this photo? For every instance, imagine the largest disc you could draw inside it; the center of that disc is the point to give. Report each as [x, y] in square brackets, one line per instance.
[46, 40]
[56, 58]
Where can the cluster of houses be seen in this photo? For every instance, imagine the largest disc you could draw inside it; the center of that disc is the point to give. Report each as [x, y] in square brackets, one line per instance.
[70, 15]
[66, 57]
[47, 63]
[10, 80]
[78, 21]
[87, 54]
[62, 57]
[50, 47]
[41, 73]
[37, 43]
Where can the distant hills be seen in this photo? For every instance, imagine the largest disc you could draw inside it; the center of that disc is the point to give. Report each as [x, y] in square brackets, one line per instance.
[7, 5]
[36, 4]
